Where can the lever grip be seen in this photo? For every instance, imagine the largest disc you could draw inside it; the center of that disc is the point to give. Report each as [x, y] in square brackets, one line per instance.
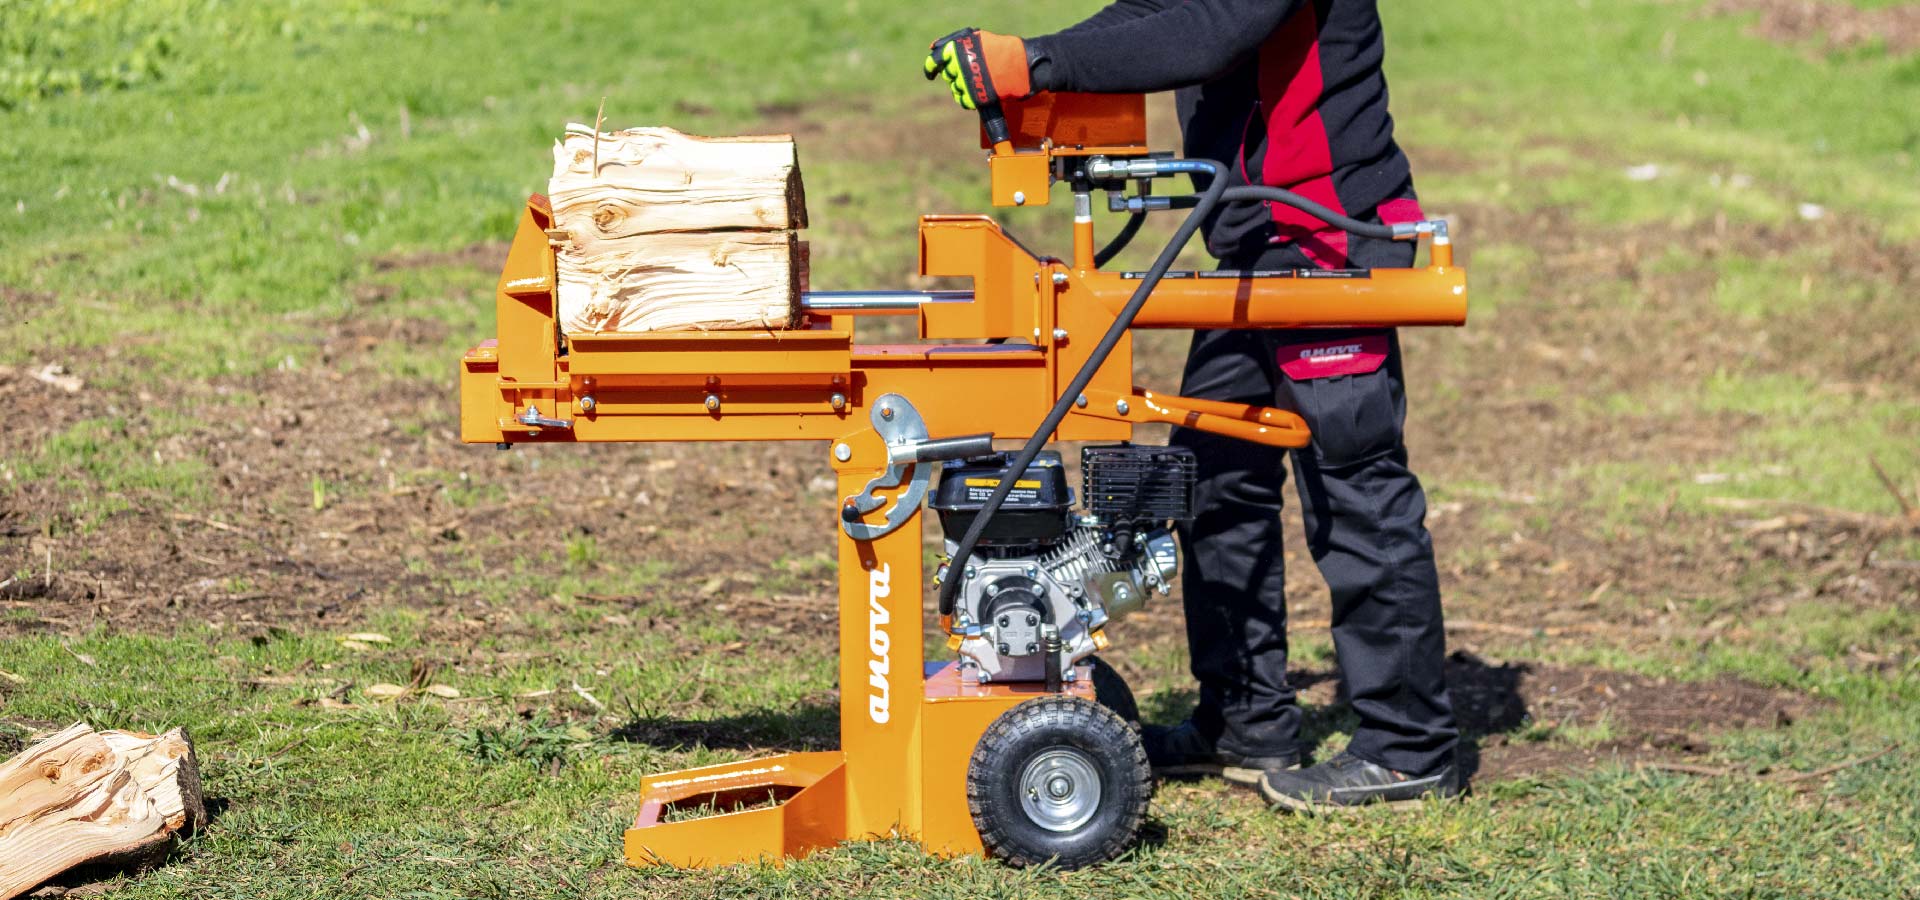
[994, 120]
[943, 449]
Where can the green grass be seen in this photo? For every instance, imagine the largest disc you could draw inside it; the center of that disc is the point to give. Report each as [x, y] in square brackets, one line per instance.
[427, 797]
[107, 470]
[1808, 444]
[204, 190]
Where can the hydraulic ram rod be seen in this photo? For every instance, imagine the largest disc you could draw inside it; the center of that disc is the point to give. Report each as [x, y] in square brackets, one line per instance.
[878, 303]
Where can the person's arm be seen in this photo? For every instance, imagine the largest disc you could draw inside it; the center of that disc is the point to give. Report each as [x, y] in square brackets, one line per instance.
[1121, 11]
[1184, 42]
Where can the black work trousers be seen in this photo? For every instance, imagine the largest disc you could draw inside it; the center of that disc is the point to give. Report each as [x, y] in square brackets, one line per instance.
[1365, 525]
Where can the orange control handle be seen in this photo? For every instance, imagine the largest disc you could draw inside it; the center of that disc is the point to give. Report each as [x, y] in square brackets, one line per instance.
[1265, 415]
[1258, 424]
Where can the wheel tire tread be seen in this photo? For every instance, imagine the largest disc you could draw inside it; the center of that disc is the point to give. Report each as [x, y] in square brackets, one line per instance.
[1070, 713]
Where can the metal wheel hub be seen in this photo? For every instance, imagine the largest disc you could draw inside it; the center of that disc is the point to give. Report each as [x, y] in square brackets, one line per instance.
[1060, 789]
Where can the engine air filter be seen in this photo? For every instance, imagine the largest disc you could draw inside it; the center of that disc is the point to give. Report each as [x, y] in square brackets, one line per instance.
[1133, 483]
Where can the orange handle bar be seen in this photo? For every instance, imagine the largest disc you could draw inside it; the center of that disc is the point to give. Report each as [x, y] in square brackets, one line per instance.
[1258, 424]
[1265, 415]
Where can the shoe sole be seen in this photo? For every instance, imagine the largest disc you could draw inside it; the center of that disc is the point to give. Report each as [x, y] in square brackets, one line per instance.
[1236, 774]
[1297, 805]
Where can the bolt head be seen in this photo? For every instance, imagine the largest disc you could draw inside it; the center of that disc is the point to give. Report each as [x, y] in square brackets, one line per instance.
[1059, 334]
[586, 404]
[842, 452]
[838, 402]
[713, 402]
[886, 412]
[1032, 619]
[1080, 401]
[1059, 278]
[1121, 407]
[1005, 621]
[1019, 198]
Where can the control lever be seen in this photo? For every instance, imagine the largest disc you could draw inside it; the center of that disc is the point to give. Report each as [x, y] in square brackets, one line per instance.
[1257, 424]
[908, 447]
[994, 121]
[943, 449]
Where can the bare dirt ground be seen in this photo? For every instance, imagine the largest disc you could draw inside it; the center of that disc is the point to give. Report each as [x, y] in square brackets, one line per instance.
[416, 519]
[1836, 26]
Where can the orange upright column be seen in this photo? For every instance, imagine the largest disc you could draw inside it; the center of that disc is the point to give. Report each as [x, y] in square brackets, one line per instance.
[881, 655]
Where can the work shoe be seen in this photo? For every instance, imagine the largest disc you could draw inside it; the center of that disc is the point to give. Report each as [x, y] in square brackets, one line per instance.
[1347, 781]
[1183, 750]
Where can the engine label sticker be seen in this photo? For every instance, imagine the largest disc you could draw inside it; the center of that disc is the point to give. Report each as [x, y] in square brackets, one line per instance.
[1026, 490]
[1325, 359]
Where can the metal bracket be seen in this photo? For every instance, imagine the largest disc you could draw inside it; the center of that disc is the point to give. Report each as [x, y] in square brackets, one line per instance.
[532, 418]
[900, 428]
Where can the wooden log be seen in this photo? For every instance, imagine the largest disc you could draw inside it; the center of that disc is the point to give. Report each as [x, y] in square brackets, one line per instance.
[656, 230]
[80, 797]
[681, 282]
[652, 180]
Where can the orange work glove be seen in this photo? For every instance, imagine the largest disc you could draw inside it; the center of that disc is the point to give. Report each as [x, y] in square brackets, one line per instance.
[981, 67]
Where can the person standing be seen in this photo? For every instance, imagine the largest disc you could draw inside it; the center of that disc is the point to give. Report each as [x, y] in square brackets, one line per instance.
[1290, 94]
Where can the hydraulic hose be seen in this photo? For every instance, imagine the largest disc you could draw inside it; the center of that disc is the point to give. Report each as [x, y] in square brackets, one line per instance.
[1124, 236]
[1216, 186]
[1289, 198]
[1121, 239]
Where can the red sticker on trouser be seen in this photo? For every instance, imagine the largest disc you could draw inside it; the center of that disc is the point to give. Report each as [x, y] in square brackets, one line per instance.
[1323, 359]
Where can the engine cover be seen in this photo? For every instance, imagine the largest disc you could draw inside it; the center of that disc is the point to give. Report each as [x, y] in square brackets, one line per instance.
[1010, 606]
[1035, 511]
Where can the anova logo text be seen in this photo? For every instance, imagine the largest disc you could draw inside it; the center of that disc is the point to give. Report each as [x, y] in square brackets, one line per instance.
[879, 585]
[1336, 350]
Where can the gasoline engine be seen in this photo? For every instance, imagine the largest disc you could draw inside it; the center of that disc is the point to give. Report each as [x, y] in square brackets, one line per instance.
[1044, 579]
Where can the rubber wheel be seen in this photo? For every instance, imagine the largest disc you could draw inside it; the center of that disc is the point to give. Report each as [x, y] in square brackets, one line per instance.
[1112, 692]
[1058, 779]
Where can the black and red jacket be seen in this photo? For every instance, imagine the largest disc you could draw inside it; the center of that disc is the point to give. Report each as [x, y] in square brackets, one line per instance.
[1288, 92]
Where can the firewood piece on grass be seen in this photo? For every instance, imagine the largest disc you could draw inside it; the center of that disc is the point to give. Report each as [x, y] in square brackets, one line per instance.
[85, 798]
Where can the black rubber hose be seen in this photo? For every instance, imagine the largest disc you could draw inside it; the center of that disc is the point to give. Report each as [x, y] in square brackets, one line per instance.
[1124, 236]
[950, 586]
[1121, 239]
[1282, 195]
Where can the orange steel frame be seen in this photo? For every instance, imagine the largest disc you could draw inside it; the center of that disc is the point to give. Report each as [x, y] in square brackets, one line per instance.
[907, 729]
